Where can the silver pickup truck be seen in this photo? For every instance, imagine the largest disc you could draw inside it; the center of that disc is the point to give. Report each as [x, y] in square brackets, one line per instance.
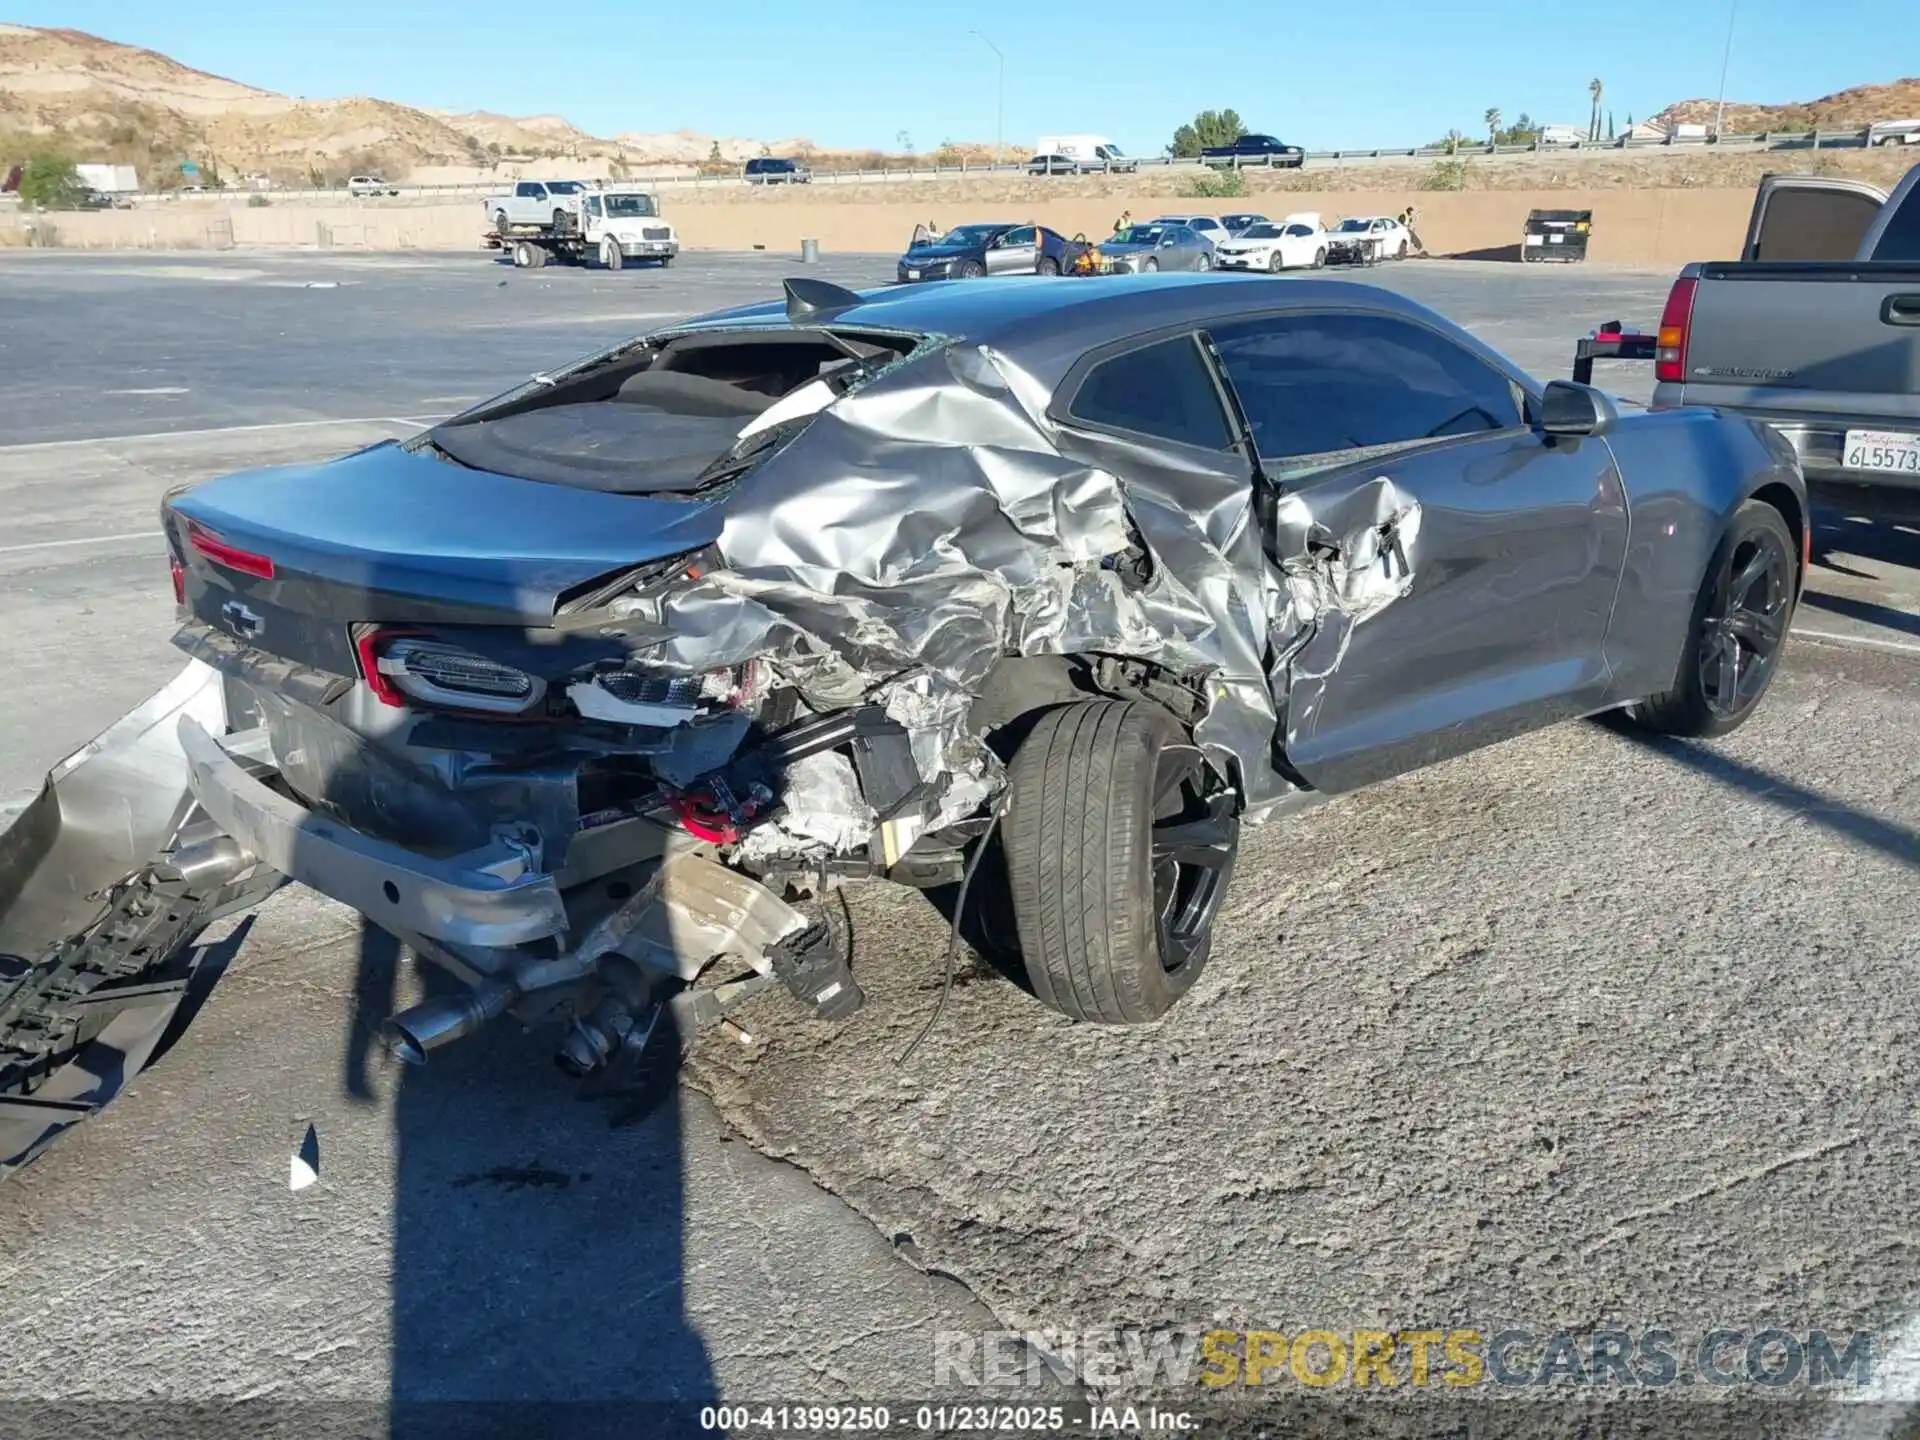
[1815, 330]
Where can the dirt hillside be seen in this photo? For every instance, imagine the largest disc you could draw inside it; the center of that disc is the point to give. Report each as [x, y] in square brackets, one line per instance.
[106, 101]
[1852, 109]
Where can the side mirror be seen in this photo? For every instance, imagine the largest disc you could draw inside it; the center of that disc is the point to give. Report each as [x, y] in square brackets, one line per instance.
[1570, 409]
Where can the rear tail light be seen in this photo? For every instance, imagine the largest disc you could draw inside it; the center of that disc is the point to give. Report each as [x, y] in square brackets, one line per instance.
[402, 664]
[230, 557]
[1670, 346]
[179, 574]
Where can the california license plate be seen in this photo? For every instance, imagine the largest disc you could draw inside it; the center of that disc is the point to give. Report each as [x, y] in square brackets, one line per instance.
[1891, 452]
[913, 274]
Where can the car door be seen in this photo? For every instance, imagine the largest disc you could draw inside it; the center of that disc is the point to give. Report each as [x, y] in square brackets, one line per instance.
[1012, 252]
[1407, 477]
[1810, 217]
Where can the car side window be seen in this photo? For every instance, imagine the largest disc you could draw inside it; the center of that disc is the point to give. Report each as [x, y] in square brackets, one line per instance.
[1022, 236]
[1163, 389]
[1317, 384]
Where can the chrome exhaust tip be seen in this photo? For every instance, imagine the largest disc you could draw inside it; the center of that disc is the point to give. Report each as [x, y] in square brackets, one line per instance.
[425, 1027]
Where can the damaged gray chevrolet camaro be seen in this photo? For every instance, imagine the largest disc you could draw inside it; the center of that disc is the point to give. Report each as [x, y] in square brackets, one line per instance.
[591, 693]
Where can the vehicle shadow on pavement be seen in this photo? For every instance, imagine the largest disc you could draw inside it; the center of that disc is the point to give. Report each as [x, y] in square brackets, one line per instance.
[1895, 841]
[538, 1273]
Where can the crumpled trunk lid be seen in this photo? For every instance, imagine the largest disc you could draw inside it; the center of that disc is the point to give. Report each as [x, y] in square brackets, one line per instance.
[397, 535]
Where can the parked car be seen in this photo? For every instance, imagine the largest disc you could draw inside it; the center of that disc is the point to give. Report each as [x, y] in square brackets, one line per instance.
[1146, 248]
[775, 170]
[1296, 242]
[1208, 227]
[968, 252]
[1367, 240]
[1042, 592]
[363, 186]
[1052, 164]
[1815, 330]
[1254, 150]
[1238, 223]
[547, 204]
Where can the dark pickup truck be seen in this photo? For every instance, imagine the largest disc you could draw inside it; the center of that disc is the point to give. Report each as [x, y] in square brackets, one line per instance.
[1815, 330]
[1254, 150]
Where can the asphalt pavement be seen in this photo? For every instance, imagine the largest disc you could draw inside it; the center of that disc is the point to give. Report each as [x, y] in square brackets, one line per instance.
[1580, 1032]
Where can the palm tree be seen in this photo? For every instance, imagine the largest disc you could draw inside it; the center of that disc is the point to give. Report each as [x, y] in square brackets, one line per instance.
[1596, 90]
[1492, 117]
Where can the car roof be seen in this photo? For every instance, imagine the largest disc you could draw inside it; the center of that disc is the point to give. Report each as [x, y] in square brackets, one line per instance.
[1046, 326]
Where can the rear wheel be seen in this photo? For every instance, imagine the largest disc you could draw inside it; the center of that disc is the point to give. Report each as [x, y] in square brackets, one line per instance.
[1320, 258]
[1739, 627]
[1205, 262]
[499, 222]
[1048, 266]
[1119, 849]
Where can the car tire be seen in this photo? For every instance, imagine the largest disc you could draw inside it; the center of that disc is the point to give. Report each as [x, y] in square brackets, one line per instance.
[1113, 906]
[612, 255]
[562, 222]
[1320, 258]
[1274, 263]
[1047, 266]
[969, 270]
[1149, 265]
[500, 222]
[1740, 617]
[1205, 262]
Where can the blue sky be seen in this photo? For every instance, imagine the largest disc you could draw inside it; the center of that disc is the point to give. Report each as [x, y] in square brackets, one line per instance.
[856, 73]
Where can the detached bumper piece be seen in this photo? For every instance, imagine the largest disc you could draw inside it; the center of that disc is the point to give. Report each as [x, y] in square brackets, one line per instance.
[489, 897]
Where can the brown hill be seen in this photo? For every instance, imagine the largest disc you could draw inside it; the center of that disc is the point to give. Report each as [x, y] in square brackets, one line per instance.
[110, 102]
[1853, 109]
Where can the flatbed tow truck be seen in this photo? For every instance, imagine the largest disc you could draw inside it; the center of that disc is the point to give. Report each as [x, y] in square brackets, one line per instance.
[615, 225]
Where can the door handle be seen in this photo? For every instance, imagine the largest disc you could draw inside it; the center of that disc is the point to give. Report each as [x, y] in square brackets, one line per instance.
[1900, 310]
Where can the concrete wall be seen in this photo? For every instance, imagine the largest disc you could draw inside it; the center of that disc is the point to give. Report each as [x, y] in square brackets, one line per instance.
[1655, 229]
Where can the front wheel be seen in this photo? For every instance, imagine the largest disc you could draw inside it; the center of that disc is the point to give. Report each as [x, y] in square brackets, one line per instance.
[1739, 627]
[1149, 265]
[1119, 849]
[1273, 263]
[970, 270]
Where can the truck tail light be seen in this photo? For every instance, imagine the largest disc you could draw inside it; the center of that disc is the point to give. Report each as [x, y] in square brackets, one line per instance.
[1670, 346]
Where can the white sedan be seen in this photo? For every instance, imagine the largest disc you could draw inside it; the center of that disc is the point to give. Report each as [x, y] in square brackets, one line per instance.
[1367, 238]
[1289, 244]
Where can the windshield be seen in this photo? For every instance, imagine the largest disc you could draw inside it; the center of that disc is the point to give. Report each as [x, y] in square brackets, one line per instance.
[1349, 227]
[563, 187]
[1261, 232]
[1138, 235]
[630, 207]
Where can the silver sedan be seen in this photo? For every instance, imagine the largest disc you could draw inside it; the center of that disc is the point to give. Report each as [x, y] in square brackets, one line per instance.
[1141, 248]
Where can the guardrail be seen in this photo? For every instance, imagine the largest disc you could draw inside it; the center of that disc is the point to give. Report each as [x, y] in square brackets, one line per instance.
[909, 170]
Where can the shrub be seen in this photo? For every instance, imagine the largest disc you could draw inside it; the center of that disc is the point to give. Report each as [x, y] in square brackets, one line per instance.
[258, 202]
[1215, 185]
[1448, 175]
[50, 181]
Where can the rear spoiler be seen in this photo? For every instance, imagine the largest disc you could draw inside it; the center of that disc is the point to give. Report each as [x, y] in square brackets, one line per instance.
[1609, 342]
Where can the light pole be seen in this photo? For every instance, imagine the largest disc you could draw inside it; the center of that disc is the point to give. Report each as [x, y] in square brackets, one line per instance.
[1000, 98]
[1720, 115]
